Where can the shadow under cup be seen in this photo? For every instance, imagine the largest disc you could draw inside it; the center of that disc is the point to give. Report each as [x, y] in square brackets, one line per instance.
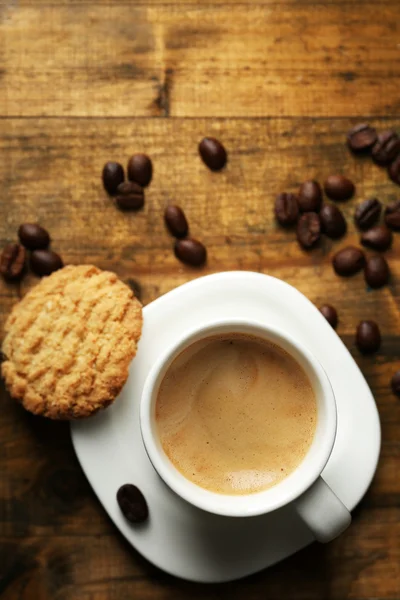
[287, 490]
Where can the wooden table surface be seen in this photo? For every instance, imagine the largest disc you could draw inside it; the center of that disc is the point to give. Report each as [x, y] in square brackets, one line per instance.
[279, 82]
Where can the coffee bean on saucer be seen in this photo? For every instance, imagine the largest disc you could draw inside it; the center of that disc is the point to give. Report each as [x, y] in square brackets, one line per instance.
[333, 223]
[378, 238]
[132, 503]
[339, 188]
[348, 261]
[361, 138]
[367, 213]
[140, 169]
[130, 196]
[190, 251]
[394, 171]
[176, 221]
[12, 261]
[392, 215]
[213, 153]
[396, 383]
[45, 262]
[330, 314]
[308, 230]
[376, 271]
[113, 175]
[33, 236]
[368, 337]
[286, 209]
[310, 196]
[386, 148]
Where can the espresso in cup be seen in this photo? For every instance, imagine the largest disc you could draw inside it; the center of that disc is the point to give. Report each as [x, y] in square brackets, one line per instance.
[235, 414]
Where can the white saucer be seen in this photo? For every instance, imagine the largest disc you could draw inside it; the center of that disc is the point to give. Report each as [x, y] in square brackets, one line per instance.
[183, 540]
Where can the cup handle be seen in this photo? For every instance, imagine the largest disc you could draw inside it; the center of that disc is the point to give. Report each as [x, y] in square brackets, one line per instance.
[322, 511]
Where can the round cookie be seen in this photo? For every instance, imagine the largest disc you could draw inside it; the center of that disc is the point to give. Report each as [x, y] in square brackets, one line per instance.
[69, 343]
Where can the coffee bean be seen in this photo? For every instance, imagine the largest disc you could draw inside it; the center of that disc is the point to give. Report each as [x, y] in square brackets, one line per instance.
[386, 148]
[12, 261]
[310, 196]
[367, 213]
[361, 138]
[376, 271]
[333, 223]
[392, 215]
[191, 252]
[132, 503]
[308, 230]
[45, 262]
[213, 153]
[130, 196]
[396, 383]
[176, 221]
[348, 261]
[33, 236]
[135, 287]
[339, 188]
[330, 314]
[394, 171]
[377, 238]
[286, 209]
[368, 337]
[140, 169]
[113, 175]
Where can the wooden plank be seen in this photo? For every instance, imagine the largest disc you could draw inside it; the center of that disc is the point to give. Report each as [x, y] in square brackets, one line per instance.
[363, 563]
[51, 173]
[10, 4]
[277, 60]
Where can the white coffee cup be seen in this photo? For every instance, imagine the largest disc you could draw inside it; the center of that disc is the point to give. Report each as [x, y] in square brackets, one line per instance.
[312, 498]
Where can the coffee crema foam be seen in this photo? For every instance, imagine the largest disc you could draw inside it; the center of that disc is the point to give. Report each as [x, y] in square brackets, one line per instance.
[235, 414]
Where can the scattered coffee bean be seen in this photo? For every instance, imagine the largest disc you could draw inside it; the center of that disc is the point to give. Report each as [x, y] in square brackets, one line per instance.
[394, 171]
[396, 383]
[12, 261]
[140, 169]
[286, 209]
[308, 230]
[348, 261]
[339, 188]
[191, 252]
[310, 196]
[132, 503]
[130, 196]
[392, 215]
[376, 271]
[333, 223]
[33, 236]
[176, 221]
[213, 153]
[361, 138]
[368, 337]
[378, 238]
[135, 287]
[330, 314]
[386, 148]
[113, 175]
[367, 213]
[45, 262]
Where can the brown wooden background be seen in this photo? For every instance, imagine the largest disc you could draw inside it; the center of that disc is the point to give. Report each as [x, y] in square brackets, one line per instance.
[279, 82]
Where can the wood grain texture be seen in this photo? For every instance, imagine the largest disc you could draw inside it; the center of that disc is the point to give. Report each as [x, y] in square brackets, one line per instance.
[51, 173]
[239, 60]
[280, 83]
